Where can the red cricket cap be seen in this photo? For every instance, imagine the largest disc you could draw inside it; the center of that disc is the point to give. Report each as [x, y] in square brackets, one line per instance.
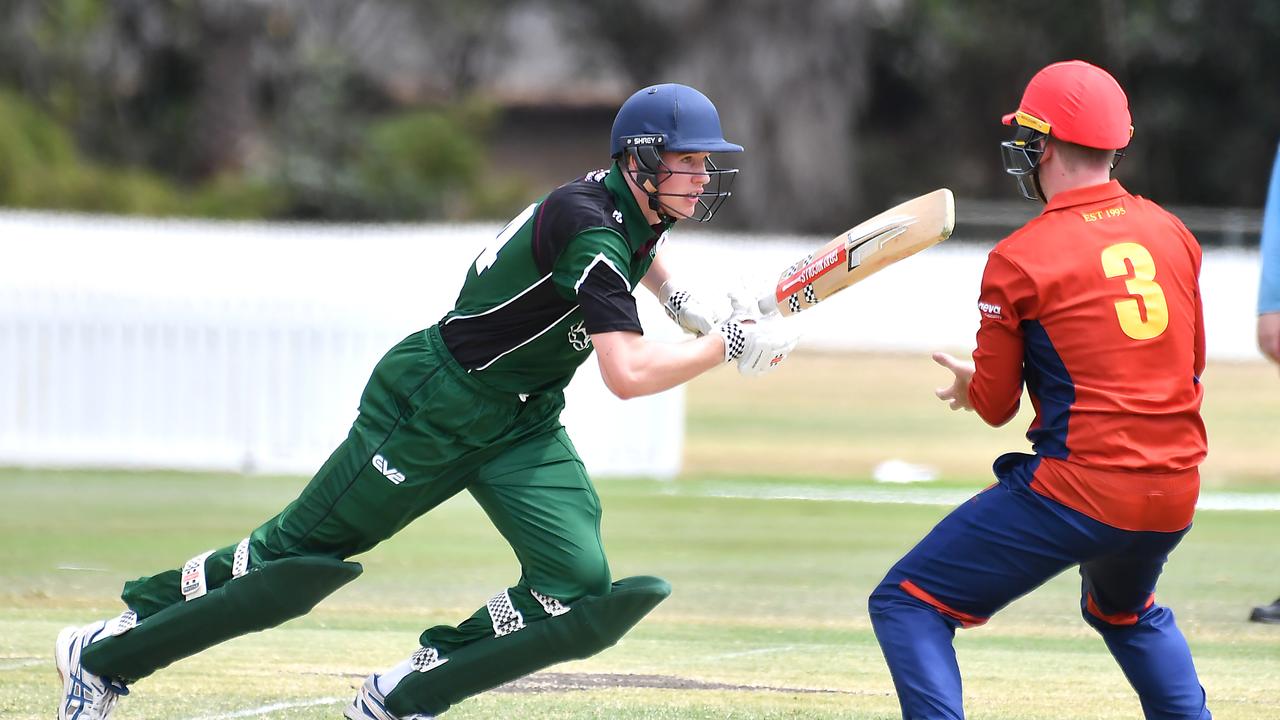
[1076, 102]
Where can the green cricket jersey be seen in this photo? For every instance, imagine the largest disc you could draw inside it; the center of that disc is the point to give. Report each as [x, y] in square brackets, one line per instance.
[561, 271]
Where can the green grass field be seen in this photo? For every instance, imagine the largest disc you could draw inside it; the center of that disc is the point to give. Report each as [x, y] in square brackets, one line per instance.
[768, 618]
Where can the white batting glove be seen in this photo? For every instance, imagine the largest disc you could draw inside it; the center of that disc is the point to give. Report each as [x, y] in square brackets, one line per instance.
[745, 304]
[696, 315]
[757, 346]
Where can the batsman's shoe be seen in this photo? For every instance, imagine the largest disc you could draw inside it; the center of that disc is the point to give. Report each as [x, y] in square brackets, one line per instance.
[371, 704]
[1267, 613]
[85, 696]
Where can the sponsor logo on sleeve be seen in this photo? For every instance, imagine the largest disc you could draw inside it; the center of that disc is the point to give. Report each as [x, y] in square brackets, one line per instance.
[657, 244]
[990, 310]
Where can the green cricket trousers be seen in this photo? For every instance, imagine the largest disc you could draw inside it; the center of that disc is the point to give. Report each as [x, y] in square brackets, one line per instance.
[425, 431]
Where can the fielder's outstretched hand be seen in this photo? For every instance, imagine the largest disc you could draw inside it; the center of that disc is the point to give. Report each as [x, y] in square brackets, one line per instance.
[958, 394]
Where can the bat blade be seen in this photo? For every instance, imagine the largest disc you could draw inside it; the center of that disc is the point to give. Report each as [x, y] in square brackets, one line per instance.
[863, 250]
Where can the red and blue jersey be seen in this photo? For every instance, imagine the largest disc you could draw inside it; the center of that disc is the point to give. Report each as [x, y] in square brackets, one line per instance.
[1095, 307]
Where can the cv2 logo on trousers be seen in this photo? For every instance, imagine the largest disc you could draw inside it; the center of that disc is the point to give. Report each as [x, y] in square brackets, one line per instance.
[395, 476]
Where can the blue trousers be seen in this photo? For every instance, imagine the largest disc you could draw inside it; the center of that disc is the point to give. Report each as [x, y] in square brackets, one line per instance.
[1000, 545]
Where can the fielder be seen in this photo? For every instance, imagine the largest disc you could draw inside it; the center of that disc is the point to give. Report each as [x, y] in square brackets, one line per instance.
[1269, 315]
[473, 403]
[1095, 307]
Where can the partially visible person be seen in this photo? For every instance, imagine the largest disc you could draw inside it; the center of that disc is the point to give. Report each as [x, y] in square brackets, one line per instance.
[1269, 317]
[1095, 307]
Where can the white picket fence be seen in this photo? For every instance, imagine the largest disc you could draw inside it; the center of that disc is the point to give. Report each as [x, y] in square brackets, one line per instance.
[240, 346]
[229, 346]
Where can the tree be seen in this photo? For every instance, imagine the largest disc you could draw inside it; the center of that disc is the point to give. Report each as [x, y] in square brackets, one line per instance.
[789, 79]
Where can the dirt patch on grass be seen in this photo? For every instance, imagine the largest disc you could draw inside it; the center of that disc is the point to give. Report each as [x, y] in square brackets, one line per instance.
[569, 682]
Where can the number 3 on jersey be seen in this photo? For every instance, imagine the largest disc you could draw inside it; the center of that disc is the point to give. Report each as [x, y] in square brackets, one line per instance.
[1140, 282]
[489, 255]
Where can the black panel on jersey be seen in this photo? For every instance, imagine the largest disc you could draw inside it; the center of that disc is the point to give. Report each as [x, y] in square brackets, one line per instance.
[475, 341]
[569, 209]
[607, 305]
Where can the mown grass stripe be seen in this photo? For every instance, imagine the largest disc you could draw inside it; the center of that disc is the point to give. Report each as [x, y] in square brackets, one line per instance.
[264, 709]
[937, 496]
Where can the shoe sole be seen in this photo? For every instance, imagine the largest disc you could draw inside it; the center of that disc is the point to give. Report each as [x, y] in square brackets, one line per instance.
[353, 711]
[62, 659]
[60, 647]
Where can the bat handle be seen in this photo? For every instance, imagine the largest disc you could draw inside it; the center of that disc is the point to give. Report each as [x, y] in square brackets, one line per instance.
[767, 304]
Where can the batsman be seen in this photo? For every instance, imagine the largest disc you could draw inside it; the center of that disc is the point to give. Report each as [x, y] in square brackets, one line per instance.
[473, 403]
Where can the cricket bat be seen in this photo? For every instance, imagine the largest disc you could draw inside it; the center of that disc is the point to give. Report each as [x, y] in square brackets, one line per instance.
[867, 248]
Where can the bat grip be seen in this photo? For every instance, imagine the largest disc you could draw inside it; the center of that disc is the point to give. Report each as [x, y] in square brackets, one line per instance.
[767, 304]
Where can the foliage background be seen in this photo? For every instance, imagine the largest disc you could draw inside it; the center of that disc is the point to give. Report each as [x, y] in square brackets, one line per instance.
[448, 109]
[424, 109]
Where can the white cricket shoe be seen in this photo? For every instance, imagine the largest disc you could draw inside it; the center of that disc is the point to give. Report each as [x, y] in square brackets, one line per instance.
[371, 704]
[85, 695]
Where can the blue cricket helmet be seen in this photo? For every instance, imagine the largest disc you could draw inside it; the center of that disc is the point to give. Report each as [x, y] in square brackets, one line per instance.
[671, 117]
